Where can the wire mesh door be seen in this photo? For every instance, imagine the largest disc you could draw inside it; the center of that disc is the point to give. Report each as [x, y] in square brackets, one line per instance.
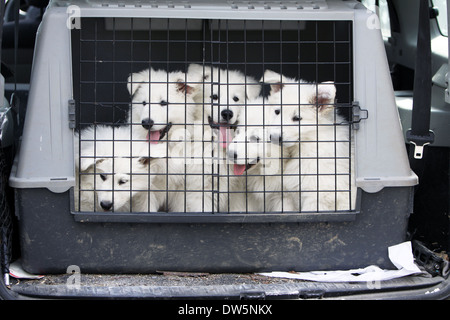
[213, 116]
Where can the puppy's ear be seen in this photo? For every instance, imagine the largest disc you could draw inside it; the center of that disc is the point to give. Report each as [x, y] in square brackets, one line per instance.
[324, 97]
[204, 72]
[145, 161]
[253, 88]
[274, 79]
[136, 80]
[271, 76]
[183, 87]
[88, 163]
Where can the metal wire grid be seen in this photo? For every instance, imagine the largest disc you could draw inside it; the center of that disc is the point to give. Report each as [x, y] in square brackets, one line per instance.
[107, 50]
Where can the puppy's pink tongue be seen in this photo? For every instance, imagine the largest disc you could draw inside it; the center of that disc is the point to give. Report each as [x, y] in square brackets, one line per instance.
[225, 136]
[153, 136]
[239, 169]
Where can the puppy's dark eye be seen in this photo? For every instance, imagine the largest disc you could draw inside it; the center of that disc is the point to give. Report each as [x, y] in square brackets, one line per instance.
[122, 181]
[235, 99]
[163, 103]
[254, 138]
[144, 103]
[277, 111]
[214, 97]
[296, 118]
[103, 177]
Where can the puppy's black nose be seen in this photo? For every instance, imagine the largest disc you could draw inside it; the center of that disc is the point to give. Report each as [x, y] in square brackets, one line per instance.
[227, 114]
[147, 123]
[232, 154]
[106, 205]
[276, 139]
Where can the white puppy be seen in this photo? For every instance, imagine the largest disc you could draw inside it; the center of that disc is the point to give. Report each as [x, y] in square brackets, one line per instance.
[161, 103]
[256, 159]
[222, 95]
[125, 185]
[163, 112]
[316, 142]
[116, 174]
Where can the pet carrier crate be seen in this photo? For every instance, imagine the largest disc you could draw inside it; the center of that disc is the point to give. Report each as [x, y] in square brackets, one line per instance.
[89, 55]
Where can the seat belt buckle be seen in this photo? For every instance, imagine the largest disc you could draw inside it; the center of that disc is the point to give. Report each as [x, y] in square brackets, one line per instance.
[419, 142]
[418, 150]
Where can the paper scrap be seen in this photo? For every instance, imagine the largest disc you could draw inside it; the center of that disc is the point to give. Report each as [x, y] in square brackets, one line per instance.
[400, 255]
[16, 271]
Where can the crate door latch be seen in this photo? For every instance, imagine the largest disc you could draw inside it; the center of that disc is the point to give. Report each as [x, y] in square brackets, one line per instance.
[358, 114]
[71, 114]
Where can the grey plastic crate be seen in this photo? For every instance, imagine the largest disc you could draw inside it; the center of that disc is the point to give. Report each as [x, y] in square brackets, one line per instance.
[84, 82]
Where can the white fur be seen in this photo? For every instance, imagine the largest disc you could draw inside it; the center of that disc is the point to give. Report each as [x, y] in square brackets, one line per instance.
[185, 137]
[255, 158]
[163, 98]
[221, 90]
[196, 162]
[202, 178]
[124, 184]
[217, 91]
[315, 142]
[108, 152]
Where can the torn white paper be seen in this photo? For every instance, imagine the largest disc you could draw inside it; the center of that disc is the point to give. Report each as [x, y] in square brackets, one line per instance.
[16, 271]
[400, 255]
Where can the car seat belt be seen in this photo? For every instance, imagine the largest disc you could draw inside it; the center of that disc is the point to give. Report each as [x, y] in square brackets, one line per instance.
[420, 135]
[14, 100]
